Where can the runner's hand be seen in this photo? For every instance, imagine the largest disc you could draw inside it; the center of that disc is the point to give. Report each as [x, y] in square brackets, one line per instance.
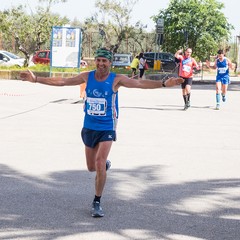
[27, 76]
[173, 81]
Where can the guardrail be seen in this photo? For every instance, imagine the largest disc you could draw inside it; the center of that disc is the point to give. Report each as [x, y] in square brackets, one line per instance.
[14, 74]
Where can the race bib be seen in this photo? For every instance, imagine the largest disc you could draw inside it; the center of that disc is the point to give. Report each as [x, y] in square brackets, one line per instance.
[186, 68]
[96, 106]
[222, 70]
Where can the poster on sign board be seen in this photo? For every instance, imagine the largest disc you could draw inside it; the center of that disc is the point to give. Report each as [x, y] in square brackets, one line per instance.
[66, 47]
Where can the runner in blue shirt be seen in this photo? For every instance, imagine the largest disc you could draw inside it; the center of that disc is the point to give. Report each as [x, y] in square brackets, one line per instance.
[101, 112]
[222, 79]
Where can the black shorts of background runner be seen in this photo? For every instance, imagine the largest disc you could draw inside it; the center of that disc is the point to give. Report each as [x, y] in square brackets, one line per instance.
[187, 81]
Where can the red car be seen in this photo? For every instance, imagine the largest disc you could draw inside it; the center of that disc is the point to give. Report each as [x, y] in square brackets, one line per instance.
[42, 56]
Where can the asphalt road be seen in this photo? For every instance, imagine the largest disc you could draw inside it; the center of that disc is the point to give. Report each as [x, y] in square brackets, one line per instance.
[175, 174]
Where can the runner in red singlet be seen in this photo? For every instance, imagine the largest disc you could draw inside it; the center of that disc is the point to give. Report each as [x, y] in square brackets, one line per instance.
[187, 63]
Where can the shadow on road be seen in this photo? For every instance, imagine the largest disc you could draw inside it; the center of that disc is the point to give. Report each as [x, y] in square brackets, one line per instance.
[58, 206]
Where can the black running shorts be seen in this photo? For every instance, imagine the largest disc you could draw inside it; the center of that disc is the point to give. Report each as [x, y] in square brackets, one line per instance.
[188, 81]
[92, 137]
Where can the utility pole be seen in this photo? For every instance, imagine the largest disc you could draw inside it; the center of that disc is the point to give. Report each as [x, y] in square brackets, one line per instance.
[159, 40]
[238, 53]
[186, 38]
[1, 46]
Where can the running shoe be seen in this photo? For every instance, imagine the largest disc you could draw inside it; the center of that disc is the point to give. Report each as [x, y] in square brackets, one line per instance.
[97, 210]
[108, 164]
[217, 107]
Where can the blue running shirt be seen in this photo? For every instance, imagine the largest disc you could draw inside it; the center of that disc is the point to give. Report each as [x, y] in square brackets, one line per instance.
[101, 104]
[222, 70]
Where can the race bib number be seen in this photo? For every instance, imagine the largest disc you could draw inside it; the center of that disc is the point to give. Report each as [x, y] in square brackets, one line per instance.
[186, 68]
[96, 106]
[222, 70]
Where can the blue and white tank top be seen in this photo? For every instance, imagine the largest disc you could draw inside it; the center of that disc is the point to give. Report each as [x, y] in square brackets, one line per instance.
[222, 68]
[101, 104]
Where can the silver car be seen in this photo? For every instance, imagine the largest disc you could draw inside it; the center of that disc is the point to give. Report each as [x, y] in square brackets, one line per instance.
[8, 59]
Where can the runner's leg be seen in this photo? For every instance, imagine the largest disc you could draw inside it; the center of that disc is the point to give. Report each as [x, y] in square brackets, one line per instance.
[218, 92]
[96, 161]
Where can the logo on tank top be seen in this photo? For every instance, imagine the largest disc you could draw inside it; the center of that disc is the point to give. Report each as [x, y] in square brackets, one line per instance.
[186, 61]
[97, 93]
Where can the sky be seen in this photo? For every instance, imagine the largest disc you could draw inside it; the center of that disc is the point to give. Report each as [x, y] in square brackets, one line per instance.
[143, 10]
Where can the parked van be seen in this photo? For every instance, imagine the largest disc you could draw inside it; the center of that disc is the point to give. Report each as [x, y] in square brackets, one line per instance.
[168, 63]
[122, 60]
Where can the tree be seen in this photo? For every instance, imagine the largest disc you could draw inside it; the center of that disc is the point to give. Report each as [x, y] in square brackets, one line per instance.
[30, 31]
[115, 20]
[198, 24]
[112, 24]
[111, 27]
